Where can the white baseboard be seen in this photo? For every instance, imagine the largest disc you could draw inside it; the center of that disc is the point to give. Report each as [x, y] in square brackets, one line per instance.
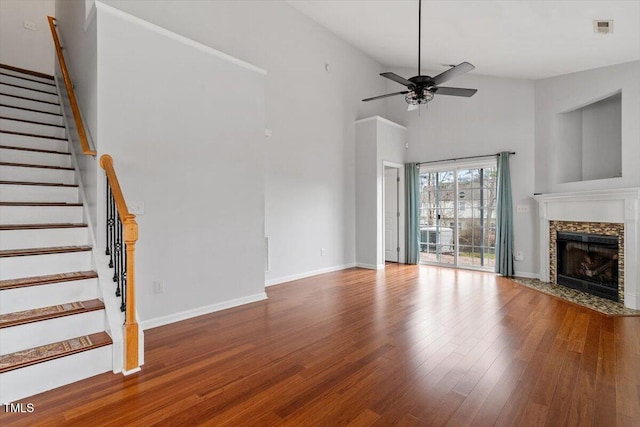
[370, 266]
[526, 275]
[285, 279]
[188, 314]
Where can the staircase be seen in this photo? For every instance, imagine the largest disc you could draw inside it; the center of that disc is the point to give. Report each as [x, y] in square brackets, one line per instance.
[52, 319]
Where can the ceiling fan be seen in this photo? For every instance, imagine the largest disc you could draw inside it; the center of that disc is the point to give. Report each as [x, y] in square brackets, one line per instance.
[422, 89]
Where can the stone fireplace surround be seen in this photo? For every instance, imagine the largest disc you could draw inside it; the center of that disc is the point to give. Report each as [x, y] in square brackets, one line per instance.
[620, 206]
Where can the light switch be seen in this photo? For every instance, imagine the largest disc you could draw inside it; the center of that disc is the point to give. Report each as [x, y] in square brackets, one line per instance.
[522, 208]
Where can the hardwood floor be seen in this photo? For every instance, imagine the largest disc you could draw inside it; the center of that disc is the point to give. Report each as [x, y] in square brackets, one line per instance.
[404, 346]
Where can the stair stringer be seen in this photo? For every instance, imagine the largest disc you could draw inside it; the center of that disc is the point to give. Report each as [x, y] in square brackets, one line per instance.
[106, 289]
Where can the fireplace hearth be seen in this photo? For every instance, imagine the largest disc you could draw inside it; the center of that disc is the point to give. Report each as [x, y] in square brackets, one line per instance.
[588, 262]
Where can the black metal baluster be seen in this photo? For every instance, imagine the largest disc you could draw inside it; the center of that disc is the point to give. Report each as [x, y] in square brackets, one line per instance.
[123, 306]
[111, 226]
[118, 248]
[108, 194]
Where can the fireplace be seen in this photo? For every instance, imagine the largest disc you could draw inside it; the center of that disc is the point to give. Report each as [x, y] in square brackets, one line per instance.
[607, 212]
[588, 262]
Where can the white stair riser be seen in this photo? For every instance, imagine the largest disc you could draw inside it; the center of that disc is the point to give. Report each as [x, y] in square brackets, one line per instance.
[40, 265]
[27, 103]
[37, 193]
[32, 142]
[35, 334]
[32, 128]
[40, 214]
[35, 158]
[27, 82]
[48, 238]
[20, 383]
[27, 93]
[28, 76]
[25, 174]
[16, 113]
[29, 297]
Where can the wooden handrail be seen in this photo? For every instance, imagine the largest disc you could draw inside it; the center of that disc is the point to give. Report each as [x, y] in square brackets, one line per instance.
[130, 234]
[84, 142]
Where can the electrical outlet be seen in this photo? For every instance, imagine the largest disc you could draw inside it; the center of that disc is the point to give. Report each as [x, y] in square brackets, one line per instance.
[522, 208]
[158, 287]
[518, 256]
[29, 25]
[323, 252]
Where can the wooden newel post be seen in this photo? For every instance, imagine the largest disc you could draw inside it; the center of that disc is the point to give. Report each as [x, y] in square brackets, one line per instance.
[130, 324]
[130, 236]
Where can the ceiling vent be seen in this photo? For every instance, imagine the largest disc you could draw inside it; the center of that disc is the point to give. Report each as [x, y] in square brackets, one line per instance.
[601, 26]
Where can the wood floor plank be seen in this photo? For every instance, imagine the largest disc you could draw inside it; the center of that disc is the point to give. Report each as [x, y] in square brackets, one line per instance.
[413, 345]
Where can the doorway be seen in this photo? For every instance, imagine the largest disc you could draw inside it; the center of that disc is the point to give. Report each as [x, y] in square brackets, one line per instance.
[391, 214]
[458, 215]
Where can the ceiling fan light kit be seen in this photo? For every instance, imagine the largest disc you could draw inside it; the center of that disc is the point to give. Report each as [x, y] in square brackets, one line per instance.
[422, 89]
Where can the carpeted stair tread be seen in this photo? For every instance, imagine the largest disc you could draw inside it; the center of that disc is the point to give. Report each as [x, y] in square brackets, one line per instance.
[28, 72]
[45, 184]
[29, 165]
[60, 204]
[43, 251]
[45, 280]
[5, 227]
[51, 312]
[44, 353]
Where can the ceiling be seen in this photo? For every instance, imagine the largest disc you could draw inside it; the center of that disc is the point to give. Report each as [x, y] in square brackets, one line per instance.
[519, 39]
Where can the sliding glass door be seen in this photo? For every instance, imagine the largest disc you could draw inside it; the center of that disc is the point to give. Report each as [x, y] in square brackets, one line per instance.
[457, 215]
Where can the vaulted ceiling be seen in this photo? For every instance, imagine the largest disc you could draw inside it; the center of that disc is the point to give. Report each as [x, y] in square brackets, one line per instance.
[520, 39]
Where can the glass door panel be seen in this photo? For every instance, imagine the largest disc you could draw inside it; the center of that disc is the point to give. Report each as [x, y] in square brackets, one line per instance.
[457, 221]
[437, 217]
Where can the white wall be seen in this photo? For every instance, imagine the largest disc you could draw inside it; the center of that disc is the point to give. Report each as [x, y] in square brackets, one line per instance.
[602, 139]
[499, 117]
[78, 36]
[565, 93]
[15, 40]
[378, 141]
[185, 127]
[367, 231]
[310, 179]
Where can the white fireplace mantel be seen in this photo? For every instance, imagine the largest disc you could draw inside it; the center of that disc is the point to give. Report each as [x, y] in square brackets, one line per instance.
[617, 206]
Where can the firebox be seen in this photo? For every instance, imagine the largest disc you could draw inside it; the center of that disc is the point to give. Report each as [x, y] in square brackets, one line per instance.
[588, 262]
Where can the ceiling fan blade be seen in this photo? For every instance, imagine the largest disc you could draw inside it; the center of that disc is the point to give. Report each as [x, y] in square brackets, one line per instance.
[459, 69]
[396, 78]
[455, 91]
[385, 96]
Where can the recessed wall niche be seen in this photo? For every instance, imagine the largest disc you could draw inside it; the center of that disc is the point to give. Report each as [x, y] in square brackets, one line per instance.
[590, 143]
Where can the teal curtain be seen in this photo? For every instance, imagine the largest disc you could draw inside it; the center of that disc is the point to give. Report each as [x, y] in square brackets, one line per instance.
[412, 191]
[504, 218]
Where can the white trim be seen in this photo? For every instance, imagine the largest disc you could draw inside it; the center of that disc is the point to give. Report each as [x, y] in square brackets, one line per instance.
[285, 279]
[188, 314]
[131, 371]
[179, 38]
[370, 266]
[526, 275]
[381, 119]
[613, 194]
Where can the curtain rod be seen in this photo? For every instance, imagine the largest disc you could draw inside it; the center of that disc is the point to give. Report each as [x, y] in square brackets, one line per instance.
[462, 158]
